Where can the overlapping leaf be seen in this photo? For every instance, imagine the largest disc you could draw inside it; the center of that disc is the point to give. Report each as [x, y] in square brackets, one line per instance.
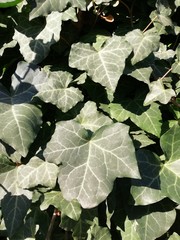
[29, 174]
[91, 119]
[20, 119]
[158, 93]
[55, 198]
[170, 174]
[43, 8]
[90, 164]
[5, 164]
[104, 66]
[142, 43]
[35, 48]
[58, 92]
[148, 223]
[147, 118]
[147, 190]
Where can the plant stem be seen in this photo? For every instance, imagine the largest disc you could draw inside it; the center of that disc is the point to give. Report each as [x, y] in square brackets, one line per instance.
[149, 24]
[165, 74]
[51, 225]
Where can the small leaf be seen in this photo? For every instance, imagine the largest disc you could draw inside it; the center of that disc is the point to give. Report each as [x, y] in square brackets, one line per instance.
[99, 64]
[58, 92]
[141, 74]
[141, 140]
[71, 209]
[174, 236]
[142, 43]
[37, 172]
[158, 93]
[91, 119]
[5, 164]
[90, 164]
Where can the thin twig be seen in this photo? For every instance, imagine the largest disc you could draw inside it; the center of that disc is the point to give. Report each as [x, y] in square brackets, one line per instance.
[51, 225]
[149, 24]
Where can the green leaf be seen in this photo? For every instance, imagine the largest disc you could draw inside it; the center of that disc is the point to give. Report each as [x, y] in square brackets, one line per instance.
[20, 119]
[9, 184]
[90, 164]
[174, 236]
[170, 143]
[147, 190]
[9, 3]
[141, 73]
[158, 93]
[148, 223]
[71, 209]
[5, 164]
[58, 92]
[43, 8]
[141, 140]
[99, 64]
[147, 118]
[14, 209]
[91, 119]
[142, 43]
[35, 47]
[37, 172]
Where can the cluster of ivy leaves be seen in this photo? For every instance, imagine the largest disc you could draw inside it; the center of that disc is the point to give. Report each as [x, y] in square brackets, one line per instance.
[89, 119]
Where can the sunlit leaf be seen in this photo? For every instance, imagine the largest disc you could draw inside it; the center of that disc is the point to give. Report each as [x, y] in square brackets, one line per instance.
[91, 119]
[58, 92]
[104, 66]
[90, 164]
[28, 175]
[142, 43]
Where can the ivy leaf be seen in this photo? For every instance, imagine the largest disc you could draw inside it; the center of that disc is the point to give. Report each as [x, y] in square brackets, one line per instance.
[43, 8]
[91, 119]
[147, 118]
[174, 236]
[9, 184]
[90, 164]
[147, 190]
[29, 174]
[141, 74]
[99, 64]
[14, 209]
[158, 93]
[142, 43]
[71, 209]
[58, 92]
[170, 174]
[5, 164]
[20, 119]
[141, 140]
[170, 143]
[35, 48]
[149, 222]
[9, 3]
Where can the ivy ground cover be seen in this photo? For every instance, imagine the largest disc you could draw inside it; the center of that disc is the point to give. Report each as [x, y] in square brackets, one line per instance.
[89, 120]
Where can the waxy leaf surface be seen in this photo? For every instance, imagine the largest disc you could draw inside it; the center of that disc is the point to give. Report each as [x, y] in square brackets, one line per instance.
[104, 66]
[91, 163]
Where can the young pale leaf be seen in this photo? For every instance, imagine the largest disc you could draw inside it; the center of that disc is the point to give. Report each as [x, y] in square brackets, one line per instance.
[174, 236]
[142, 43]
[141, 74]
[90, 164]
[170, 143]
[148, 223]
[43, 8]
[37, 172]
[55, 198]
[158, 93]
[147, 190]
[91, 119]
[57, 91]
[104, 66]
[14, 209]
[141, 140]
